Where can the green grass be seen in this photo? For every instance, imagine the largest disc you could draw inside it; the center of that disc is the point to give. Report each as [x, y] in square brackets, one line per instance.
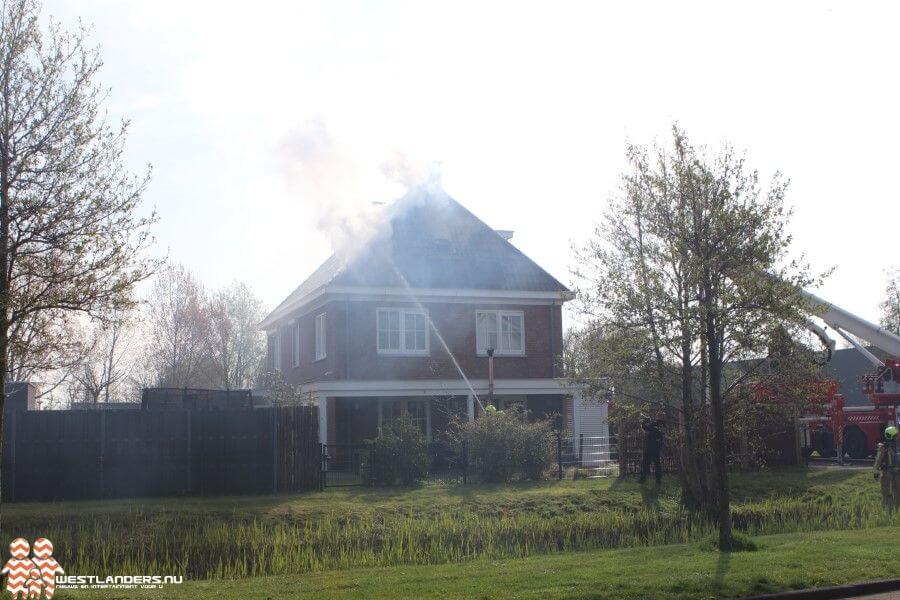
[227, 538]
[791, 561]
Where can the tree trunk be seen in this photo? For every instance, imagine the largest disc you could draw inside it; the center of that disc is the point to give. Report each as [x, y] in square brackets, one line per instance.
[723, 502]
[4, 297]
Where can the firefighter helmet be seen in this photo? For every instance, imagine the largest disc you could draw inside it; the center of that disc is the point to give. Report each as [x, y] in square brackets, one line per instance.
[890, 432]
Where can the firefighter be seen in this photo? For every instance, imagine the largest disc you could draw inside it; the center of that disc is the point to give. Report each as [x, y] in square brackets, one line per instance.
[653, 437]
[887, 467]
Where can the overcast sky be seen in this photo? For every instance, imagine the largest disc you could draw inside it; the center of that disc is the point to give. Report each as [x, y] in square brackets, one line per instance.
[528, 108]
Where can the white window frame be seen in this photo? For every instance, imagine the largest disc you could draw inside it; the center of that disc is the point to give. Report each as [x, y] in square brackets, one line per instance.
[295, 344]
[499, 350]
[320, 337]
[402, 350]
[276, 351]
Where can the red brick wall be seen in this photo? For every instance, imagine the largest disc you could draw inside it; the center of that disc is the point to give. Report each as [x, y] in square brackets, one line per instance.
[309, 369]
[352, 353]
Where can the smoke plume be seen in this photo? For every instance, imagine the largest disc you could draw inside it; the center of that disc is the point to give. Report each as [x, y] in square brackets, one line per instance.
[345, 194]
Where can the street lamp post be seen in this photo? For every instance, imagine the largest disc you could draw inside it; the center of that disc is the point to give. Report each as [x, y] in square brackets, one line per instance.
[490, 353]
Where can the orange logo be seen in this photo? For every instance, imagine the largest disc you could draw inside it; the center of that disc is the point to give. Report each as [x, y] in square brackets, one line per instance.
[31, 578]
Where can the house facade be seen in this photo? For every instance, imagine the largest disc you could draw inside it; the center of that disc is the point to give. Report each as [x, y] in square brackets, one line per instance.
[404, 324]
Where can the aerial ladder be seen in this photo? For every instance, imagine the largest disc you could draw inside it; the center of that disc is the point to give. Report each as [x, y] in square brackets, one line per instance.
[860, 427]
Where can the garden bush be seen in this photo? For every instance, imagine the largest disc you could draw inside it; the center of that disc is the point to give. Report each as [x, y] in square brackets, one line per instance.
[398, 455]
[503, 444]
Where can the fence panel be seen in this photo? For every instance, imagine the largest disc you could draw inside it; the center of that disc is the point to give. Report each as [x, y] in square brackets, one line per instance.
[298, 456]
[232, 451]
[58, 456]
[145, 454]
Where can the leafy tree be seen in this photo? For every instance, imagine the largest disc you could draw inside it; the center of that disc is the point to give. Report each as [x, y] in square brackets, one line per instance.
[71, 233]
[687, 273]
[46, 346]
[890, 308]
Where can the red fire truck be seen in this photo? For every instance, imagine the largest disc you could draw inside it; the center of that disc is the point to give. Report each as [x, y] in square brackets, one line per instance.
[832, 429]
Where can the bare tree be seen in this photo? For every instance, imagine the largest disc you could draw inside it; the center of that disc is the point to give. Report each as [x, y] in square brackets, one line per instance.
[178, 330]
[71, 236]
[108, 360]
[237, 347]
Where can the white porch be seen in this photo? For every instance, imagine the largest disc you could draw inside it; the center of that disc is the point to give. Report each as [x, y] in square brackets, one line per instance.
[380, 400]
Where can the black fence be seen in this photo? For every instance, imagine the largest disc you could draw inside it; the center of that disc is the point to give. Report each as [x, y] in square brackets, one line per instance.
[195, 399]
[573, 457]
[70, 455]
[344, 464]
[630, 453]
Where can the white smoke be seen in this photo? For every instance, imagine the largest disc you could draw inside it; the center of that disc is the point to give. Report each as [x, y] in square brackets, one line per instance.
[345, 194]
[409, 173]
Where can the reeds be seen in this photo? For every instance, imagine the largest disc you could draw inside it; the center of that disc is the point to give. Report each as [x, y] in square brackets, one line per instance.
[213, 546]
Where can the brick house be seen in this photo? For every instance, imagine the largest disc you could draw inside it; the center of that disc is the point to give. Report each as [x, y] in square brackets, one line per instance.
[369, 336]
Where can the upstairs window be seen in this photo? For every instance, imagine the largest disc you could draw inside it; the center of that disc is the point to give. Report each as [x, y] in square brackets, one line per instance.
[401, 331]
[502, 330]
[320, 336]
[295, 344]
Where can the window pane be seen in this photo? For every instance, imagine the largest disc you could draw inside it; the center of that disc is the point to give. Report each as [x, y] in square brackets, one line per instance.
[320, 336]
[414, 325]
[511, 333]
[486, 332]
[388, 330]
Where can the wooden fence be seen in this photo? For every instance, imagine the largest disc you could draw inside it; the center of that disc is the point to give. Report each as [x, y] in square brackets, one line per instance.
[69, 455]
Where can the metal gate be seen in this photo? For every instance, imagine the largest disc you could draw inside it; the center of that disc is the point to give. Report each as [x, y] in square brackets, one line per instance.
[344, 464]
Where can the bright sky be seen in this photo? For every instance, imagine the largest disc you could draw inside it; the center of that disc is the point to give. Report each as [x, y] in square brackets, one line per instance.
[527, 106]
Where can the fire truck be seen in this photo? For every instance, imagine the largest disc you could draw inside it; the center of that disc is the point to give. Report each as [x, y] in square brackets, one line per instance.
[827, 426]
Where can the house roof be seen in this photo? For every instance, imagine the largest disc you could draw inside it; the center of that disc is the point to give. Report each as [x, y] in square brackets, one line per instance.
[847, 366]
[428, 240]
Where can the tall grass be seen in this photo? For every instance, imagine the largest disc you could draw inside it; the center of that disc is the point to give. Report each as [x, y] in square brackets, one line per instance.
[209, 547]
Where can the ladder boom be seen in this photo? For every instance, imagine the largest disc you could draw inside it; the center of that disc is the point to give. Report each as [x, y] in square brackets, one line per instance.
[842, 319]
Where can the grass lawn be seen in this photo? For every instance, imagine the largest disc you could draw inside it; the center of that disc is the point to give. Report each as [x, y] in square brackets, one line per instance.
[439, 529]
[790, 561]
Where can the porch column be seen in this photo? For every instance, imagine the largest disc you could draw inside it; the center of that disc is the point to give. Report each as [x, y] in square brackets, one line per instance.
[428, 420]
[576, 421]
[323, 419]
[380, 414]
[470, 403]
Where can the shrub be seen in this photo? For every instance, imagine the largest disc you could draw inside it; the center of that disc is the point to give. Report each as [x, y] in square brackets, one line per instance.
[502, 444]
[398, 455]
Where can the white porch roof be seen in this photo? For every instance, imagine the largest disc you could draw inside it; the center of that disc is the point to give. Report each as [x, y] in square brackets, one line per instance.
[440, 387]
